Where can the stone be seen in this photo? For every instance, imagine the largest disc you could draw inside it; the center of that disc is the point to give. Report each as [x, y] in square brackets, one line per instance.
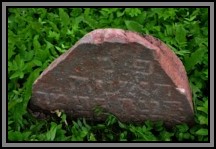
[135, 77]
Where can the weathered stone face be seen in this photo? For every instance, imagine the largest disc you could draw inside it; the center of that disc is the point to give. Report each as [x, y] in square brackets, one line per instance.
[133, 77]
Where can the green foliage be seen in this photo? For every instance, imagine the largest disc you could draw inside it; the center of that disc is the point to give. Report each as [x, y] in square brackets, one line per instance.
[143, 133]
[36, 36]
[80, 130]
[133, 26]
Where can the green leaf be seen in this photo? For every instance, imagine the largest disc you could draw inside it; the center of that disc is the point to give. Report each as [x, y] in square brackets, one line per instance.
[76, 12]
[92, 137]
[51, 134]
[123, 136]
[63, 117]
[186, 136]
[119, 14]
[166, 136]
[133, 26]
[203, 109]
[195, 58]
[59, 49]
[54, 27]
[64, 17]
[37, 62]
[121, 125]
[36, 43]
[85, 124]
[111, 120]
[28, 55]
[110, 136]
[202, 132]
[37, 127]
[17, 74]
[182, 128]
[11, 48]
[79, 123]
[149, 125]
[54, 35]
[191, 18]
[84, 133]
[180, 35]
[100, 126]
[159, 126]
[203, 120]
[18, 136]
[88, 20]
[12, 104]
[60, 134]
[29, 82]
[133, 11]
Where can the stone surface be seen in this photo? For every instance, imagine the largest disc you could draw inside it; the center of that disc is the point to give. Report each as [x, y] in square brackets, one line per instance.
[132, 76]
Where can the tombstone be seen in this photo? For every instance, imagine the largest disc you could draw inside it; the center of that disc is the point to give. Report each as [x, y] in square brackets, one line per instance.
[134, 77]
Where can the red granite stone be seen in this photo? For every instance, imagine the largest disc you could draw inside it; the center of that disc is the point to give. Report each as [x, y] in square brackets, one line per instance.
[132, 76]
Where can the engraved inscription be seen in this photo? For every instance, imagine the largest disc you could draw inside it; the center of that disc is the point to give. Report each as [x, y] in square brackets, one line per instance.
[143, 66]
[79, 78]
[109, 89]
[164, 88]
[124, 87]
[143, 86]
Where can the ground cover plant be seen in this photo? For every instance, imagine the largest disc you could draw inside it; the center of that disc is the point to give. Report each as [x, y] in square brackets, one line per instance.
[36, 36]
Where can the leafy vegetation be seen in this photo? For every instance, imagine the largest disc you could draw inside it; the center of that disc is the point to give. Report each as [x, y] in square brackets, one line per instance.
[36, 36]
